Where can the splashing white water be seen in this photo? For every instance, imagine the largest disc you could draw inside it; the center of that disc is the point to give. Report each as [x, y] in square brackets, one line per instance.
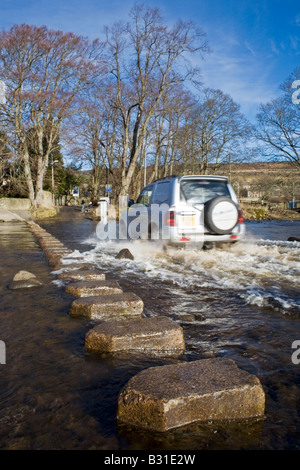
[263, 273]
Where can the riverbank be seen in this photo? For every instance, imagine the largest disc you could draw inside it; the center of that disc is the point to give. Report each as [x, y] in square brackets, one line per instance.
[256, 212]
[250, 212]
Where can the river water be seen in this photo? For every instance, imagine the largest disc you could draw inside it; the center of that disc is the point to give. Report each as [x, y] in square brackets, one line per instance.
[240, 302]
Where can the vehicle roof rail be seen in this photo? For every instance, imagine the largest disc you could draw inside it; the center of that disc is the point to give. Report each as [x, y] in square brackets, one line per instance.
[165, 178]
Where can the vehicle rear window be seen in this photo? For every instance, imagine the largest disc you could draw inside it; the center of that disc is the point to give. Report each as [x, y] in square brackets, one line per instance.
[201, 191]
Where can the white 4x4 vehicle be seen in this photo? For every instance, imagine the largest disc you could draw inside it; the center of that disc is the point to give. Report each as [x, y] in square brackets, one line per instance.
[185, 209]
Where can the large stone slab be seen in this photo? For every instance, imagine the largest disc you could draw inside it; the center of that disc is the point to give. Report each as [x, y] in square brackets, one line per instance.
[107, 307]
[92, 288]
[51, 253]
[166, 397]
[54, 259]
[82, 275]
[45, 236]
[69, 267]
[45, 244]
[148, 335]
[61, 261]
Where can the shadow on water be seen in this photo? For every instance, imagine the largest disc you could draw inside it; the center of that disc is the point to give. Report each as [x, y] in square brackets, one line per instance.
[55, 396]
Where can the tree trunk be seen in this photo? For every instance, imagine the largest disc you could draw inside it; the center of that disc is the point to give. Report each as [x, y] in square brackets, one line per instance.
[28, 178]
[39, 181]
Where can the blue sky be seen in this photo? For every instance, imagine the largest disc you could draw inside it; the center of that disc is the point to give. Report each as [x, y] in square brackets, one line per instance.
[255, 45]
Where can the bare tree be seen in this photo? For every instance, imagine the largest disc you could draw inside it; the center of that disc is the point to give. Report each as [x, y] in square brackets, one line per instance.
[145, 59]
[279, 125]
[94, 136]
[213, 132]
[44, 71]
[87, 143]
[175, 106]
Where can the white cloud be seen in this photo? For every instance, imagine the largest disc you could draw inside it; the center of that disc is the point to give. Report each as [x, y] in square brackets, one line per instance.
[294, 40]
[250, 48]
[246, 77]
[274, 48]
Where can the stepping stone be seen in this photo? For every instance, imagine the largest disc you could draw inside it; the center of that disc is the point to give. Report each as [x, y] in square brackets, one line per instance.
[70, 267]
[91, 288]
[55, 248]
[82, 275]
[24, 279]
[150, 335]
[54, 258]
[51, 244]
[52, 252]
[24, 276]
[166, 397]
[45, 236]
[61, 260]
[107, 307]
[125, 254]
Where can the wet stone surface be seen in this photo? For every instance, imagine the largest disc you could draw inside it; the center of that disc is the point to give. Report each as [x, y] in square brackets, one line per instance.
[162, 398]
[69, 267]
[24, 280]
[151, 335]
[110, 306]
[92, 288]
[82, 274]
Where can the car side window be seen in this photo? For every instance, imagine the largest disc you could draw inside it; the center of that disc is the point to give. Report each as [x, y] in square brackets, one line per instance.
[145, 196]
[162, 193]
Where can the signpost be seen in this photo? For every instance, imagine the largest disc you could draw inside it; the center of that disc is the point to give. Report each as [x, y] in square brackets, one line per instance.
[75, 191]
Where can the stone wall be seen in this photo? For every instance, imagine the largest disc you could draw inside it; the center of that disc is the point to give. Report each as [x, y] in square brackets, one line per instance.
[23, 204]
[12, 204]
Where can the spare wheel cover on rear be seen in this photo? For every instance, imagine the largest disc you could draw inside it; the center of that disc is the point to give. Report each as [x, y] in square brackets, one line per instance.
[221, 215]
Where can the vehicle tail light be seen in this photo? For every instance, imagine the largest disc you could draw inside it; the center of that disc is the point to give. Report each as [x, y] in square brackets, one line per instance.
[234, 237]
[170, 218]
[185, 239]
[241, 218]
